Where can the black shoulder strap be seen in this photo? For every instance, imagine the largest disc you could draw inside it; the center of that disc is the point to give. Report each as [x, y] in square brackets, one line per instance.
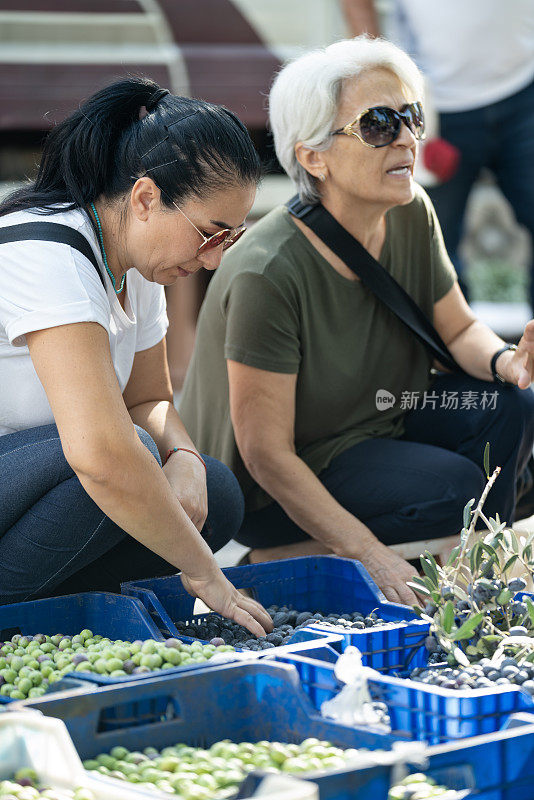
[51, 232]
[374, 276]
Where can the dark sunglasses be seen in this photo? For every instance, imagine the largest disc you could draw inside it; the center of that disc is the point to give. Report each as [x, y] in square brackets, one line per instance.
[381, 125]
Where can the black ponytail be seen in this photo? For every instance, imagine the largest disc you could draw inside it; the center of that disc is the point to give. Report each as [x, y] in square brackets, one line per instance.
[132, 128]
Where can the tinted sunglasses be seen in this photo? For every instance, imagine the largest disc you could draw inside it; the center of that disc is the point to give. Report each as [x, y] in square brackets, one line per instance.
[381, 125]
[227, 237]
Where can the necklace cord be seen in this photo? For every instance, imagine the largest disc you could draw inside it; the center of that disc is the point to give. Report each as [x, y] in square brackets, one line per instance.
[104, 256]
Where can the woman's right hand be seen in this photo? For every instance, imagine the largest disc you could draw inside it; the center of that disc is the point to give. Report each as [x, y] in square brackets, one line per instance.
[221, 596]
[391, 573]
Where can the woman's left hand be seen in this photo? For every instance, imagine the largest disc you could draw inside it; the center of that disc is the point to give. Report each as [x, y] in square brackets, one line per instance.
[519, 368]
[187, 476]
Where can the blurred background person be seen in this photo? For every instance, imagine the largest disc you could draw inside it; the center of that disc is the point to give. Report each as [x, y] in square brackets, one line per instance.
[478, 60]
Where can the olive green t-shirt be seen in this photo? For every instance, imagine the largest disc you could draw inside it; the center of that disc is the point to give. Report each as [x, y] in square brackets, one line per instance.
[276, 304]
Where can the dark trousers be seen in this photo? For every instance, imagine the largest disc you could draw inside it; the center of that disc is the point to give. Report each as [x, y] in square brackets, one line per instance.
[55, 540]
[498, 137]
[416, 487]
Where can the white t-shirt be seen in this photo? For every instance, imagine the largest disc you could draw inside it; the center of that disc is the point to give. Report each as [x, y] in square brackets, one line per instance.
[472, 52]
[45, 284]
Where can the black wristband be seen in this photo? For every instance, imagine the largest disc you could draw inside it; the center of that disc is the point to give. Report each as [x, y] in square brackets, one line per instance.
[496, 377]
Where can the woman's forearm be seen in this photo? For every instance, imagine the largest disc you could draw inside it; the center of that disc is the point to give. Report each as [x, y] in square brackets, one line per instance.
[161, 420]
[132, 490]
[474, 348]
[293, 485]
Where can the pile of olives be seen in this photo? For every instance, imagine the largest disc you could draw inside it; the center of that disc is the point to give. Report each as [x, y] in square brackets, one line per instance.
[194, 773]
[420, 787]
[286, 621]
[29, 664]
[26, 786]
[483, 675]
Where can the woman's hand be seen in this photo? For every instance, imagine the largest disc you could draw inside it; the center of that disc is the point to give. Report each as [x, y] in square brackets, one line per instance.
[187, 476]
[391, 573]
[517, 366]
[221, 596]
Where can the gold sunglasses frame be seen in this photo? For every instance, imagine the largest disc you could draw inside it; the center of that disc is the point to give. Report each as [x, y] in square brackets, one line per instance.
[232, 234]
[348, 130]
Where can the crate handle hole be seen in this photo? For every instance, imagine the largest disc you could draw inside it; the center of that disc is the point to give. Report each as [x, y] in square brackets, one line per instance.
[172, 711]
[458, 777]
[159, 709]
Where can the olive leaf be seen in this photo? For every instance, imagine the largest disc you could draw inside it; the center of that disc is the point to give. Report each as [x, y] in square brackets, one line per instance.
[507, 535]
[491, 638]
[504, 597]
[430, 569]
[426, 582]
[475, 556]
[486, 460]
[460, 593]
[510, 563]
[487, 548]
[530, 608]
[528, 543]
[420, 581]
[460, 657]
[448, 617]
[496, 525]
[467, 512]
[468, 628]
[418, 589]
[489, 537]
[515, 542]
[453, 556]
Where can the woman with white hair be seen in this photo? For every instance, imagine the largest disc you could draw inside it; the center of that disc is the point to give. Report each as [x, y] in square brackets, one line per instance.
[307, 385]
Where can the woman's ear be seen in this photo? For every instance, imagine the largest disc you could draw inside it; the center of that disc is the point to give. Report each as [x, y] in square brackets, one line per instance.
[312, 160]
[145, 197]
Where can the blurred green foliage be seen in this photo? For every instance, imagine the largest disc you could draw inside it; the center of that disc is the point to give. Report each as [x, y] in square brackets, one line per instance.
[497, 281]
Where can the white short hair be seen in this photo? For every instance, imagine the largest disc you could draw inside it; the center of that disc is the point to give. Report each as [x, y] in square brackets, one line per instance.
[305, 95]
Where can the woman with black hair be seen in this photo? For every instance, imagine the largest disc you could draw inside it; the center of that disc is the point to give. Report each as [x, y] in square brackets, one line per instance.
[100, 481]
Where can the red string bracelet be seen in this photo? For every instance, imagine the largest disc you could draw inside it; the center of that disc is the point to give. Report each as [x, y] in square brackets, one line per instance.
[186, 450]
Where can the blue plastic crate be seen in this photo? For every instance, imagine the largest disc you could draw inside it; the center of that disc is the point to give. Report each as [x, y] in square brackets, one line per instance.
[498, 766]
[242, 702]
[264, 700]
[320, 583]
[111, 615]
[418, 711]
